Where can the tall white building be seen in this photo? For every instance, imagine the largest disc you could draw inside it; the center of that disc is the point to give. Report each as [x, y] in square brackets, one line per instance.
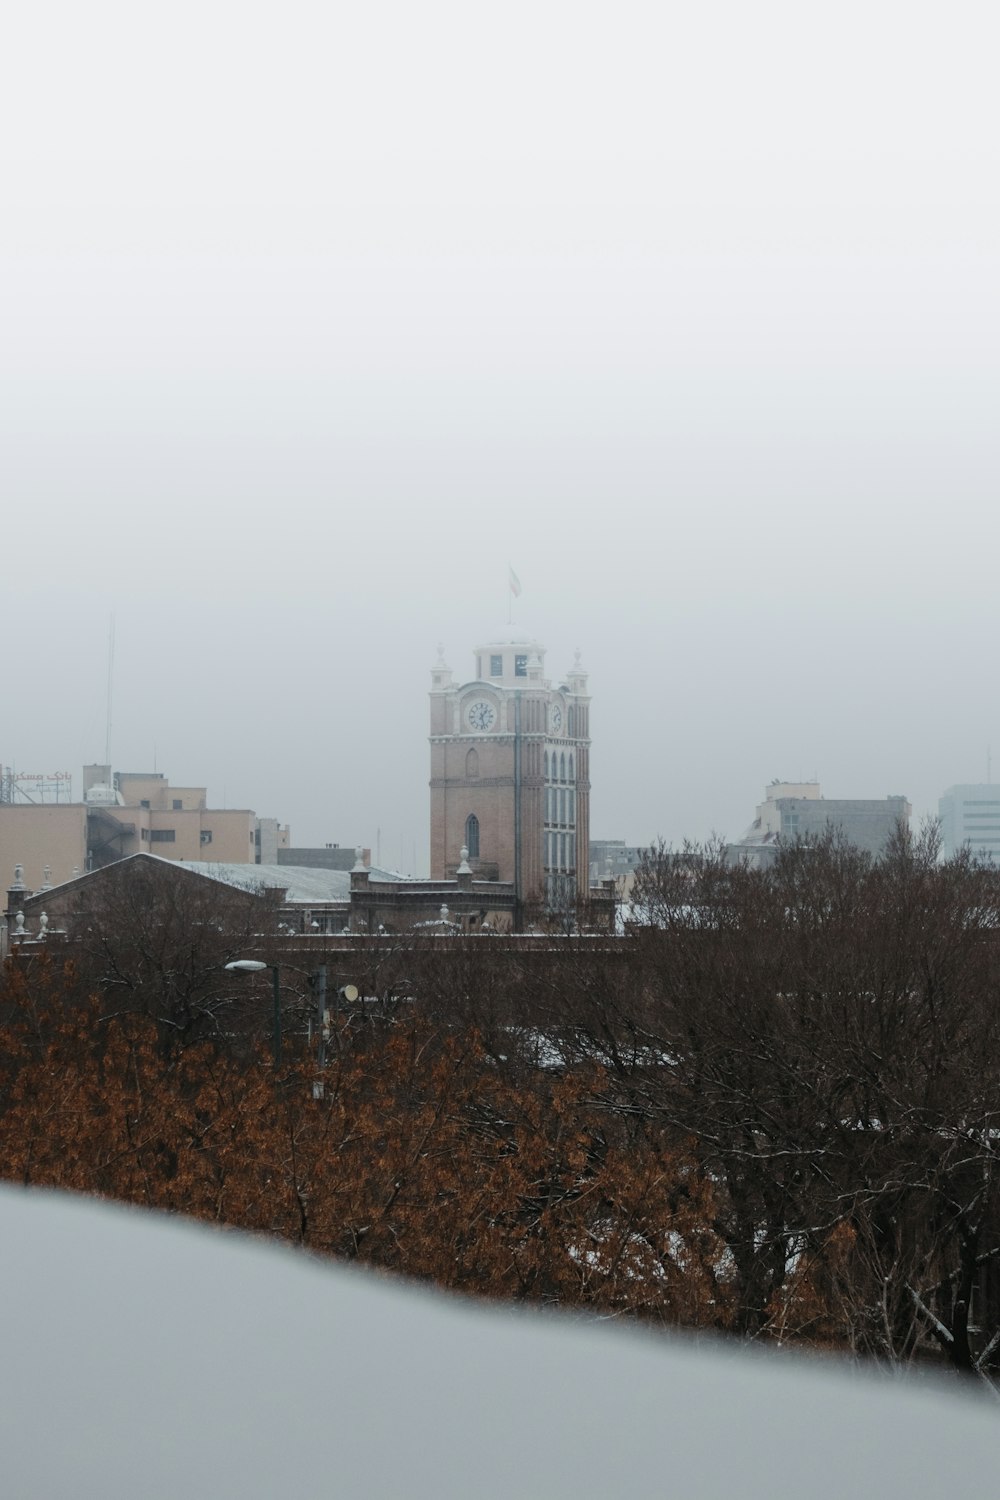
[970, 815]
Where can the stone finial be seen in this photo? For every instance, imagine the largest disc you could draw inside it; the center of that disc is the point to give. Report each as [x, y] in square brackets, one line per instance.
[18, 878]
[359, 867]
[464, 867]
[445, 914]
[18, 925]
[440, 672]
[43, 924]
[46, 884]
[578, 672]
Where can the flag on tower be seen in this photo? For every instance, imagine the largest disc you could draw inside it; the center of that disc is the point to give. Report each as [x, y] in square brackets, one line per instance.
[515, 582]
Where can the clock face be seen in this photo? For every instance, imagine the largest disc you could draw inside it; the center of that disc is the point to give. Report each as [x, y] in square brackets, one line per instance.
[481, 715]
[555, 717]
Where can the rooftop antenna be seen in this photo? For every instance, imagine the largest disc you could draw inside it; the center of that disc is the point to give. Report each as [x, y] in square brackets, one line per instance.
[111, 668]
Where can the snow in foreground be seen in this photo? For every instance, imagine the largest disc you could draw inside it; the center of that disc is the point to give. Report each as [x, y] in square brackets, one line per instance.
[148, 1358]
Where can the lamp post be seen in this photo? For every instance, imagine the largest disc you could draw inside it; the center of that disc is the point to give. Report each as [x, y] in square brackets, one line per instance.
[347, 992]
[255, 966]
[325, 1020]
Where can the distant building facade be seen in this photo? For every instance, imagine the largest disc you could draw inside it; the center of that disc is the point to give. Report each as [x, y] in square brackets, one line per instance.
[613, 859]
[970, 818]
[305, 912]
[271, 840]
[510, 774]
[311, 902]
[794, 810]
[326, 857]
[123, 813]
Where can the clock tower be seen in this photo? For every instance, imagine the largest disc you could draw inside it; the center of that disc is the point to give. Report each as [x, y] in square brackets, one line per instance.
[510, 773]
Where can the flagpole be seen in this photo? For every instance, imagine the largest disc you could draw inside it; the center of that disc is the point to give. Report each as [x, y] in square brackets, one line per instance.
[513, 589]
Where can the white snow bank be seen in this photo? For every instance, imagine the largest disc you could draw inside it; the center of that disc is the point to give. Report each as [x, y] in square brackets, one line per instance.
[145, 1357]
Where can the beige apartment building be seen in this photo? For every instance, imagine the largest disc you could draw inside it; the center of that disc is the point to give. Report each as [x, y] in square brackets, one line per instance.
[125, 813]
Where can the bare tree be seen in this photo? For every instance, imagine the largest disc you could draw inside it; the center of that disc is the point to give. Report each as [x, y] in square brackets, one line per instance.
[156, 938]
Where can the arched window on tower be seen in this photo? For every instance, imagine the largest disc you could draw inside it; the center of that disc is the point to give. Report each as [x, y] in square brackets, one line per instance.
[562, 768]
[472, 835]
[571, 768]
[472, 765]
[546, 765]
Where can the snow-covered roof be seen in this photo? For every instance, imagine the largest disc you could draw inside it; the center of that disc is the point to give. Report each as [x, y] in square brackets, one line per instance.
[304, 883]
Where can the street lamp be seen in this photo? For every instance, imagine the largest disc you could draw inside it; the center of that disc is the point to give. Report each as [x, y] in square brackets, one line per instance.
[324, 1018]
[348, 992]
[254, 966]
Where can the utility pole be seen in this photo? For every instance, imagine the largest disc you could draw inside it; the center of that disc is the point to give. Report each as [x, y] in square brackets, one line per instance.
[322, 1029]
[518, 886]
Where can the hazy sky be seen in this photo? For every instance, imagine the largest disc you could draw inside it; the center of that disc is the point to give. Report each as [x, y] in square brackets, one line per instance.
[313, 318]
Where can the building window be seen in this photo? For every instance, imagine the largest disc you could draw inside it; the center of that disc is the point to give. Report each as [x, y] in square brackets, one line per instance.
[496, 666]
[472, 765]
[144, 802]
[162, 836]
[206, 835]
[472, 835]
[571, 768]
[562, 768]
[145, 834]
[520, 666]
[546, 765]
[178, 804]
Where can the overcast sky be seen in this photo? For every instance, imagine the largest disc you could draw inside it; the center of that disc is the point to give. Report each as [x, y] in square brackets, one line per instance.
[313, 318]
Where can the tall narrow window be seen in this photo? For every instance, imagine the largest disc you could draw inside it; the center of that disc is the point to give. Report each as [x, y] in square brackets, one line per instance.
[472, 835]
[571, 768]
[546, 765]
[562, 768]
[472, 765]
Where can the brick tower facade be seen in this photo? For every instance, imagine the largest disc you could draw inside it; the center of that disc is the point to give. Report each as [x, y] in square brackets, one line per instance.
[510, 773]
